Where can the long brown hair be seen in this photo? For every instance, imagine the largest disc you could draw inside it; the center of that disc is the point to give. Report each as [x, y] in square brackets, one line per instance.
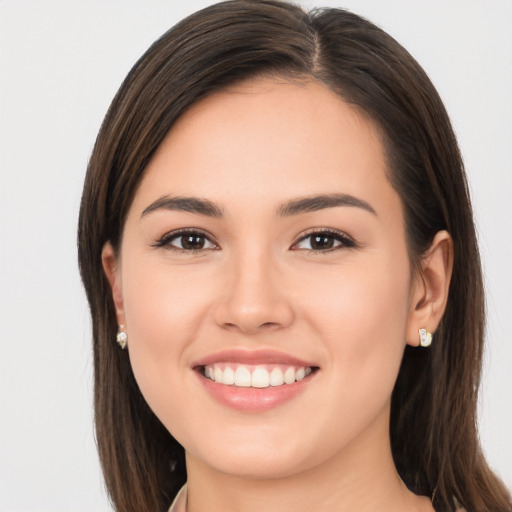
[433, 414]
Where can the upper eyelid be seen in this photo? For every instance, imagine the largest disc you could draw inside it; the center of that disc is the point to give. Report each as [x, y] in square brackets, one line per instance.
[181, 231]
[311, 231]
[330, 231]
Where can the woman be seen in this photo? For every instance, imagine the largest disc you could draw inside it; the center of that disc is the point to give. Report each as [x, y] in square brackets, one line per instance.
[275, 220]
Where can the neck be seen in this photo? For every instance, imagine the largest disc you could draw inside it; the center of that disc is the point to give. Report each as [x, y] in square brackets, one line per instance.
[362, 477]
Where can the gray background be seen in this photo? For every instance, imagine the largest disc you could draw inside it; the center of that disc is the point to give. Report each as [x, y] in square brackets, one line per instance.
[60, 64]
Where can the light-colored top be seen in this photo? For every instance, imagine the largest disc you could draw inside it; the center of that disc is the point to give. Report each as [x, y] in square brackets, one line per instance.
[180, 502]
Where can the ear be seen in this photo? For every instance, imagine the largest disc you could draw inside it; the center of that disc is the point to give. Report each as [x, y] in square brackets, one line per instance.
[430, 287]
[111, 267]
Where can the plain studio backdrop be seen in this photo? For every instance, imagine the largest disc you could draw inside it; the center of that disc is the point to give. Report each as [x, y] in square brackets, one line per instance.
[61, 63]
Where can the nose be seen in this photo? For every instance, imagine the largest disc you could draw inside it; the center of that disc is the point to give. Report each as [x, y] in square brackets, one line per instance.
[255, 296]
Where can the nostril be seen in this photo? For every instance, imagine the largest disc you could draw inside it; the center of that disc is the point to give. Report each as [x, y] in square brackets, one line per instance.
[269, 324]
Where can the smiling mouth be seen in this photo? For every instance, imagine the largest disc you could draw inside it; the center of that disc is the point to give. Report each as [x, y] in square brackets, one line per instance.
[255, 376]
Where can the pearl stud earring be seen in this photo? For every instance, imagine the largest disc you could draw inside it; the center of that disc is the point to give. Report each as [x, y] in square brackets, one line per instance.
[121, 337]
[425, 337]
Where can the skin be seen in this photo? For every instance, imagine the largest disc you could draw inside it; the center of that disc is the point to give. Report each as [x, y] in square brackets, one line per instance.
[258, 284]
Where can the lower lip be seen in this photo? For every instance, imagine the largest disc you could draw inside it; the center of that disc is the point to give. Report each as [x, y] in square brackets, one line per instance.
[254, 399]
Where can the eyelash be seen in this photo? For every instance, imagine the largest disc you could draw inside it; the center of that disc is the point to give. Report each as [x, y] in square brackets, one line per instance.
[338, 236]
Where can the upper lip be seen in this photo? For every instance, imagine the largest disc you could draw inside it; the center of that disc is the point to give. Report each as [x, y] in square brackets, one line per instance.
[252, 357]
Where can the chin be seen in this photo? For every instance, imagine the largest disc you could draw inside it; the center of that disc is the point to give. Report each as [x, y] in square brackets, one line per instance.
[256, 454]
[251, 466]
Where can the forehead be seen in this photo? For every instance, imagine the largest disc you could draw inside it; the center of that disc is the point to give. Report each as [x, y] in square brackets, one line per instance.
[268, 139]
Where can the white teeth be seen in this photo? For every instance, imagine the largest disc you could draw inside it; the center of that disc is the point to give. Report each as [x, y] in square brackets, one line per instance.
[218, 374]
[258, 377]
[243, 377]
[229, 376]
[276, 377]
[289, 375]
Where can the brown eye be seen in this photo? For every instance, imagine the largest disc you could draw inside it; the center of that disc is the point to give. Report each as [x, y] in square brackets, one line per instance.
[186, 241]
[192, 242]
[323, 241]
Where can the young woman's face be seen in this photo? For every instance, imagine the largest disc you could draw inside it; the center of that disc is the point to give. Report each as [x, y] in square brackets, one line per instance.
[264, 281]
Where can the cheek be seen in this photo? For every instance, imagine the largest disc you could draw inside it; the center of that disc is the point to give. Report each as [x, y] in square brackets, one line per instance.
[163, 312]
[361, 316]
[364, 302]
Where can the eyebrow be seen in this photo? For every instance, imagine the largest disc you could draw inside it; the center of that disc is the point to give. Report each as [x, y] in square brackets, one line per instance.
[290, 208]
[315, 203]
[185, 204]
